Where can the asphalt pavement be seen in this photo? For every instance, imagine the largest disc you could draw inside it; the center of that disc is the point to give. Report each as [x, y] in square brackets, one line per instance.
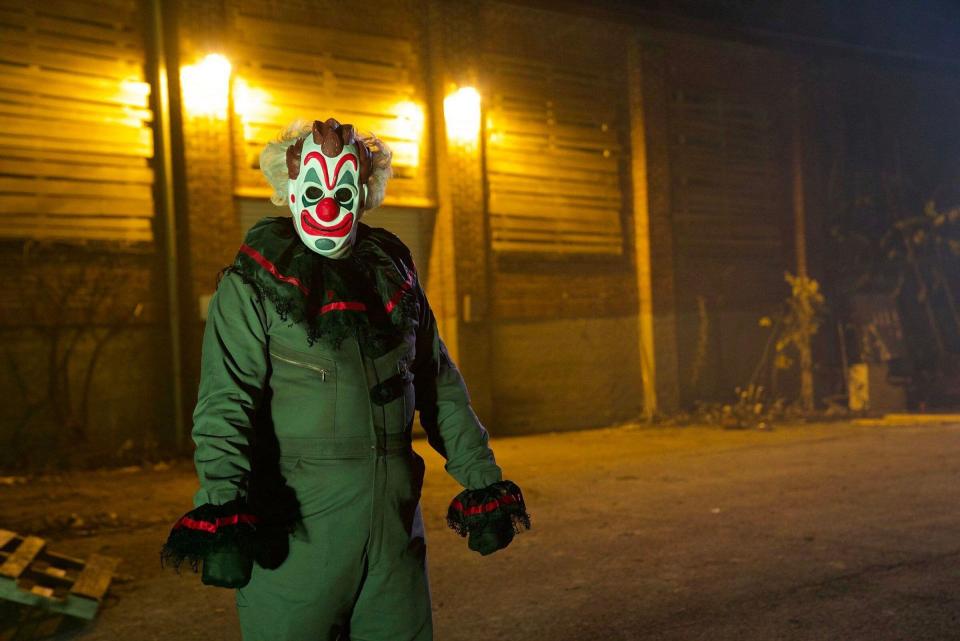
[803, 532]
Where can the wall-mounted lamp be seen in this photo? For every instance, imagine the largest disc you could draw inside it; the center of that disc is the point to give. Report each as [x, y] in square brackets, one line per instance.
[461, 111]
[205, 86]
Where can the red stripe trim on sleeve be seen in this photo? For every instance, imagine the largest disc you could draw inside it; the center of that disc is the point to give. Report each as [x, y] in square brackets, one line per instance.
[211, 526]
[343, 305]
[395, 299]
[270, 267]
[489, 506]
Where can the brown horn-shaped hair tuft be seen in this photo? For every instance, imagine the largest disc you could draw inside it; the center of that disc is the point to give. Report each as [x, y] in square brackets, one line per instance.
[293, 159]
[328, 136]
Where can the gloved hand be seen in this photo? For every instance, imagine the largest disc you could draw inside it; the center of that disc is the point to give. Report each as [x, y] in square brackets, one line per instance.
[227, 567]
[221, 537]
[490, 516]
[492, 536]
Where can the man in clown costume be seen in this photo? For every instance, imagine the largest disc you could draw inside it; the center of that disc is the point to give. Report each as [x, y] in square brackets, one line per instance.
[319, 346]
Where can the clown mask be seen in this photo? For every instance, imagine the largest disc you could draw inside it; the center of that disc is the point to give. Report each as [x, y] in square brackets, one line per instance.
[328, 171]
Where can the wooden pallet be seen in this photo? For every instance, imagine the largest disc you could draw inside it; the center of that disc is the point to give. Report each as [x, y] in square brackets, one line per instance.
[32, 575]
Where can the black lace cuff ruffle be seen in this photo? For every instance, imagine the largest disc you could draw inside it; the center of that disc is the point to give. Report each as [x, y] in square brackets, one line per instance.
[210, 528]
[473, 511]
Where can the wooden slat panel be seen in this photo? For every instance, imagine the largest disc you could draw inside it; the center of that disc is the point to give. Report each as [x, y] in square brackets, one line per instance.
[583, 151]
[25, 167]
[584, 289]
[64, 560]
[77, 188]
[295, 67]
[59, 224]
[503, 184]
[72, 77]
[540, 168]
[62, 25]
[334, 66]
[83, 65]
[294, 81]
[554, 247]
[84, 145]
[29, 38]
[724, 168]
[89, 206]
[530, 234]
[139, 139]
[6, 536]
[550, 226]
[311, 38]
[25, 553]
[555, 154]
[76, 228]
[58, 84]
[386, 127]
[525, 206]
[95, 577]
[105, 13]
[45, 108]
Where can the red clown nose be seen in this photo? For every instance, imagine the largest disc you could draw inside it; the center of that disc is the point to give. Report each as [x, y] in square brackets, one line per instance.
[327, 210]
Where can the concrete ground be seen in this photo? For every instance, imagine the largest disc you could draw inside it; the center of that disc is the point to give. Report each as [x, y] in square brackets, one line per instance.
[803, 532]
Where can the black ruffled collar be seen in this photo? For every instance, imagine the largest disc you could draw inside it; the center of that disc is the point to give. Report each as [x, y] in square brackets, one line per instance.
[367, 295]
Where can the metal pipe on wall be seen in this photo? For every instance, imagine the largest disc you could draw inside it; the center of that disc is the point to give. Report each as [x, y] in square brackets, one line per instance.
[165, 183]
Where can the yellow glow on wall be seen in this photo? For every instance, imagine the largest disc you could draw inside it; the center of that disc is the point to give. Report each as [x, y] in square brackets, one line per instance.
[406, 139]
[248, 102]
[205, 86]
[252, 105]
[133, 92]
[411, 116]
[461, 111]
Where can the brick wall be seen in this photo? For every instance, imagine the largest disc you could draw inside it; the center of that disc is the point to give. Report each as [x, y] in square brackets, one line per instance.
[83, 356]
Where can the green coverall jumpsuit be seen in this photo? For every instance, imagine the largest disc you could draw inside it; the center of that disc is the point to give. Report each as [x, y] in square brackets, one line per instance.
[357, 566]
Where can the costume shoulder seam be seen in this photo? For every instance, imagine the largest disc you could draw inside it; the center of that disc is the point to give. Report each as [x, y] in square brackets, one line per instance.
[392, 243]
[263, 229]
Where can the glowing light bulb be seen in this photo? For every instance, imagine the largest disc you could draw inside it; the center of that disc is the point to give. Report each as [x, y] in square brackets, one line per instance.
[461, 111]
[205, 86]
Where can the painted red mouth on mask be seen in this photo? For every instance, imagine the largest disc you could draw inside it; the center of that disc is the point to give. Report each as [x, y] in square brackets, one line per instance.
[337, 231]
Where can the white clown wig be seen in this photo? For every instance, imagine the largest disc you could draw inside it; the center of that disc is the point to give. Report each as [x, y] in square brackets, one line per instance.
[273, 164]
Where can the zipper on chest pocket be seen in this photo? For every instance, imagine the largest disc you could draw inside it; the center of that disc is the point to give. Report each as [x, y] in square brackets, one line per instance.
[323, 371]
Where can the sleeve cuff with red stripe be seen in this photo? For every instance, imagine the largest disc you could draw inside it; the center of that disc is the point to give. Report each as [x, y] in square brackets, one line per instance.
[473, 511]
[210, 528]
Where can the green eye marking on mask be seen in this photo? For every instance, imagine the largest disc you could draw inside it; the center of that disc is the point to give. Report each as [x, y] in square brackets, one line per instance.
[324, 244]
[312, 176]
[348, 178]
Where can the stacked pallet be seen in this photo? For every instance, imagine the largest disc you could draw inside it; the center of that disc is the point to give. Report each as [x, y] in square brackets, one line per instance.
[34, 576]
